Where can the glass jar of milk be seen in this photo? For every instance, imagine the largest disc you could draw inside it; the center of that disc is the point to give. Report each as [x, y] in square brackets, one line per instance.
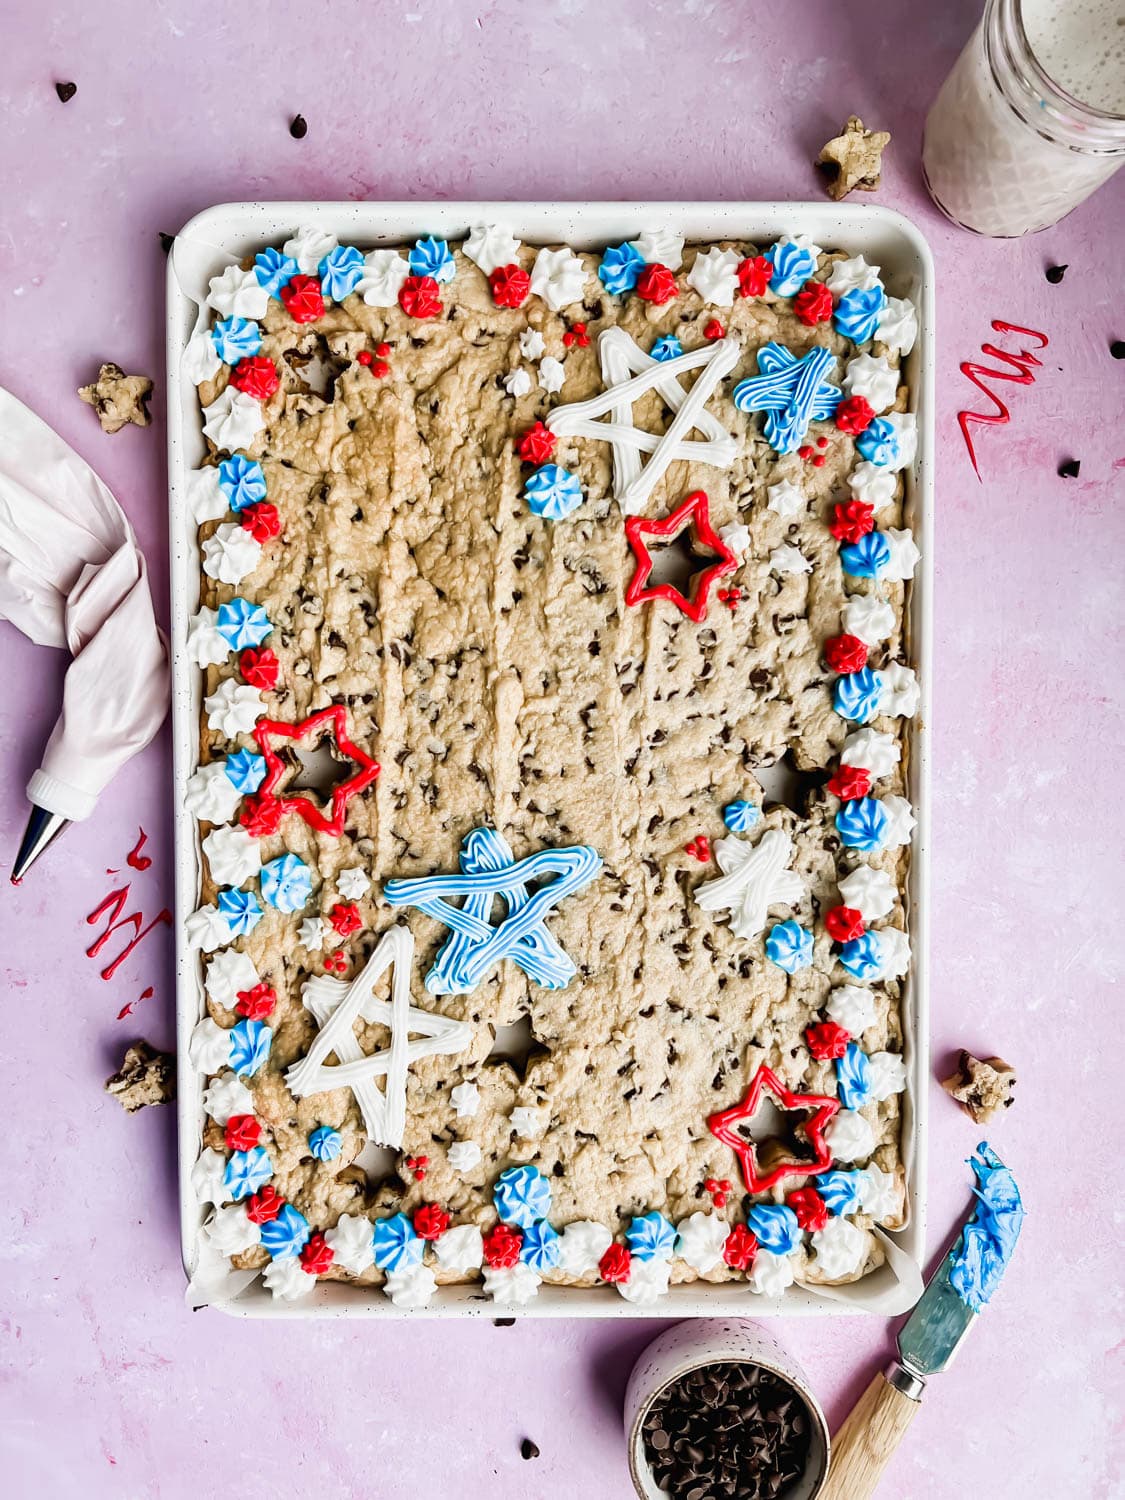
[1032, 118]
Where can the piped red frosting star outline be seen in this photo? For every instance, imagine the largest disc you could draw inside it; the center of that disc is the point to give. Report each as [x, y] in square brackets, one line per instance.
[694, 512]
[332, 819]
[821, 1110]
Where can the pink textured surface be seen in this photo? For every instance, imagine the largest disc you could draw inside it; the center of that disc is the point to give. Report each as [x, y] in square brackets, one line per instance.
[110, 1383]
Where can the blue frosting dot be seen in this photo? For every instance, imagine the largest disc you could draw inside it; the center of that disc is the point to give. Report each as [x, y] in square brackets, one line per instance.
[879, 445]
[856, 695]
[552, 492]
[245, 771]
[431, 257]
[286, 1235]
[242, 624]
[396, 1246]
[868, 557]
[862, 824]
[857, 313]
[620, 267]
[853, 1077]
[246, 1172]
[242, 481]
[273, 270]
[250, 1043]
[740, 815]
[235, 339]
[341, 271]
[651, 1237]
[326, 1143]
[863, 956]
[241, 910]
[841, 1191]
[286, 883]
[540, 1249]
[792, 267]
[522, 1196]
[667, 347]
[790, 946]
[775, 1227]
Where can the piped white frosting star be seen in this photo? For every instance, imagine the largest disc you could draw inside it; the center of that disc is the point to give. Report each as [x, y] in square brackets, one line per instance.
[518, 383]
[515, 1285]
[465, 1099]
[460, 1248]
[886, 1075]
[207, 929]
[647, 1283]
[876, 751]
[208, 1175]
[237, 294]
[880, 1194]
[900, 693]
[528, 1123]
[582, 1245]
[231, 553]
[736, 536]
[901, 822]
[233, 708]
[852, 1007]
[873, 484]
[714, 276]
[770, 1274]
[351, 1243]
[904, 555]
[384, 271]
[894, 952]
[898, 325]
[661, 247]
[531, 344]
[559, 277]
[490, 246]
[233, 855]
[905, 424]
[205, 497]
[229, 972]
[787, 559]
[700, 1240]
[869, 617]
[227, 1096]
[309, 246]
[209, 1048]
[413, 1287]
[841, 1249]
[353, 883]
[287, 1280]
[875, 379]
[200, 358]
[312, 933]
[851, 276]
[755, 878]
[869, 891]
[463, 1156]
[552, 373]
[849, 1136]
[786, 498]
[230, 1231]
[206, 647]
[233, 419]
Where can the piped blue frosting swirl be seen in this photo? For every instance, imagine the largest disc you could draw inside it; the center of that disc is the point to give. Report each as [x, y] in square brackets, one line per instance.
[775, 1227]
[540, 1249]
[651, 1237]
[274, 270]
[341, 271]
[790, 946]
[879, 444]
[325, 1143]
[868, 557]
[863, 956]
[242, 624]
[666, 347]
[246, 1172]
[396, 1246]
[856, 695]
[242, 481]
[853, 1077]
[841, 1191]
[857, 313]
[250, 1043]
[792, 267]
[740, 815]
[552, 492]
[245, 771]
[620, 266]
[286, 1235]
[522, 1196]
[862, 824]
[431, 257]
[286, 883]
[241, 910]
[235, 339]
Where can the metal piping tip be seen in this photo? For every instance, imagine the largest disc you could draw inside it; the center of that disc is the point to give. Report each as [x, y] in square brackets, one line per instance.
[43, 828]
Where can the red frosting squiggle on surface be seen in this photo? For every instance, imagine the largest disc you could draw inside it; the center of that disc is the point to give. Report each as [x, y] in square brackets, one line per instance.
[1019, 373]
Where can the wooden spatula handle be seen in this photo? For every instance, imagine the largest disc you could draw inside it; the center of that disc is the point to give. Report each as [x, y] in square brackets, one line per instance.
[865, 1444]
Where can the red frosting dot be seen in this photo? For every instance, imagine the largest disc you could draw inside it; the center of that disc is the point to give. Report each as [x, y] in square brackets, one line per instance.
[242, 1133]
[851, 519]
[615, 1264]
[502, 1246]
[826, 1040]
[699, 848]
[844, 923]
[364, 357]
[345, 918]
[754, 276]
[264, 1205]
[430, 1221]
[510, 285]
[845, 653]
[536, 445]
[380, 369]
[255, 377]
[382, 350]
[302, 299]
[656, 283]
[813, 303]
[418, 296]
[805, 452]
[317, 1254]
[260, 816]
[855, 414]
[740, 1248]
[850, 782]
[261, 521]
[713, 329]
[810, 1208]
[257, 1003]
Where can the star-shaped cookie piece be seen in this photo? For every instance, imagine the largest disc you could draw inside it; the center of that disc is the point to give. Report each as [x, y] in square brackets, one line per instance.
[118, 399]
[853, 159]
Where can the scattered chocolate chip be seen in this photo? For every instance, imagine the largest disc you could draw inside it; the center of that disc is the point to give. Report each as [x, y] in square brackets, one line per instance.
[298, 127]
[1069, 469]
[1117, 348]
[166, 241]
[1055, 274]
[503, 1322]
[528, 1449]
[66, 91]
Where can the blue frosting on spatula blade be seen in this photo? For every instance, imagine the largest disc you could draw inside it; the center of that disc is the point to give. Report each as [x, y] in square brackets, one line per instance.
[980, 1257]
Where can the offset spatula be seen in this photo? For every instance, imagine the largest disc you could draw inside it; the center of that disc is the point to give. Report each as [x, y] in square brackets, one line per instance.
[931, 1336]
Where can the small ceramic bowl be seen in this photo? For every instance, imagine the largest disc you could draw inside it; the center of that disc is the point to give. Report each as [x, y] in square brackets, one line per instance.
[689, 1346]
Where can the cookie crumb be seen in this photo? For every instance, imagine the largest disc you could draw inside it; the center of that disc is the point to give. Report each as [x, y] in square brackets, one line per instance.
[298, 127]
[1069, 469]
[853, 159]
[118, 399]
[145, 1077]
[528, 1449]
[982, 1086]
[1055, 274]
[66, 91]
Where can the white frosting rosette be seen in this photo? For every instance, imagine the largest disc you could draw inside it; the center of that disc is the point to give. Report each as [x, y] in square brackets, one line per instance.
[226, 1096]
[714, 275]
[237, 294]
[232, 855]
[851, 1007]
[230, 1231]
[208, 1175]
[516, 1285]
[210, 795]
[287, 1280]
[700, 1240]
[559, 277]
[660, 247]
[230, 553]
[233, 420]
[872, 749]
[868, 891]
[209, 1048]
[206, 646]
[770, 1274]
[350, 1240]
[233, 708]
[463, 1156]
[460, 1248]
[647, 1281]
[841, 1249]
[229, 972]
[490, 246]
[384, 271]
[869, 617]
[582, 1245]
[413, 1287]
[849, 1136]
[786, 498]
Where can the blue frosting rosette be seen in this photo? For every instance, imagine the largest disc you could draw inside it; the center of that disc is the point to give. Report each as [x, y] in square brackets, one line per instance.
[286, 1235]
[235, 339]
[879, 444]
[857, 313]
[245, 771]
[552, 492]
[792, 267]
[242, 624]
[740, 815]
[853, 1077]
[540, 1248]
[522, 1196]
[775, 1227]
[868, 557]
[856, 695]
[242, 480]
[790, 946]
[341, 271]
[246, 1172]
[250, 1043]
[274, 270]
[651, 1237]
[620, 267]
[286, 883]
[396, 1246]
[863, 956]
[325, 1143]
[241, 911]
[841, 1191]
[431, 257]
[666, 347]
[862, 824]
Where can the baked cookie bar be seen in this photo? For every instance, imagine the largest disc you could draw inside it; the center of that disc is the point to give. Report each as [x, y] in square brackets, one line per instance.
[552, 764]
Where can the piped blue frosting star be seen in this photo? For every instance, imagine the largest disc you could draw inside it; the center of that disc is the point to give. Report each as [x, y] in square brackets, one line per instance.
[868, 557]
[235, 339]
[667, 347]
[856, 695]
[740, 815]
[862, 824]
[552, 492]
[246, 1172]
[522, 1196]
[242, 481]
[540, 1248]
[250, 1043]
[863, 956]
[286, 1235]
[286, 883]
[857, 313]
[488, 870]
[790, 946]
[620, 266]
[853, 1077]
[792, 392]
[841, 1191]
[879, 444]
[792, 267]
[241, 910]
[326, 1143]
[242, 624]
[651, 1237]
[775, 1227]
[274, 270]
[245, 771]
[396, 1246]
[431, 257]
[341, 271]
